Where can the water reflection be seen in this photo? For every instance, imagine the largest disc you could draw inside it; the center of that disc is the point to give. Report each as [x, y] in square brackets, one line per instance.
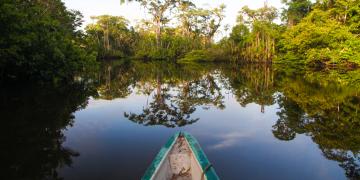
[252, 84]
[174, 92]
[33, 118]
[328, 113]
[322, 105]
[173, 103]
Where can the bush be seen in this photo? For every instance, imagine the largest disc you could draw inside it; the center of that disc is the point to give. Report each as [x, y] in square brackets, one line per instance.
[213, 54]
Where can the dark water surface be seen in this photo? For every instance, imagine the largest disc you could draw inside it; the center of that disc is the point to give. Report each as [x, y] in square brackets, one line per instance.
[253, 122]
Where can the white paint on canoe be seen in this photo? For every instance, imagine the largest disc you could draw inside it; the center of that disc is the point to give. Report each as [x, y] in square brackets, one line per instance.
[179, 163]
[196, 170]
[161, 172]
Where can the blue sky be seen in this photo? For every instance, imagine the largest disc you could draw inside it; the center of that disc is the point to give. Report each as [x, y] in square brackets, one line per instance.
[133, 12]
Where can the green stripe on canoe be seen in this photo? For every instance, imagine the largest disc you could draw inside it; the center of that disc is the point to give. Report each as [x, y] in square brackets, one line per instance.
[159, 157]
[196, 149]
[201, 157]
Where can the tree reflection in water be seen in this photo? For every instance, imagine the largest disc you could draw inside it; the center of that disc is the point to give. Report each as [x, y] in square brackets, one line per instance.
[175, 98]
[252, 84]
[33, 118]
[322, 105]
[325, 111]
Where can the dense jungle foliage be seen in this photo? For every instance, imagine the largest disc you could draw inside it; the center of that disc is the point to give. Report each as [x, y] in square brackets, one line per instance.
[42, 39]
[328, 35]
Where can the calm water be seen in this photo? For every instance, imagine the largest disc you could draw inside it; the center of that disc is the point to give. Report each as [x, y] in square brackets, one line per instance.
[253, 122]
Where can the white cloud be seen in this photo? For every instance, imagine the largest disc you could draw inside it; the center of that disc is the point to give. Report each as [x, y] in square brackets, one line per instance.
[229, 140]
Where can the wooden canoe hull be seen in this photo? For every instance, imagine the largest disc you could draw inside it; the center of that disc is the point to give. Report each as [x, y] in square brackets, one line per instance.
[181, 158]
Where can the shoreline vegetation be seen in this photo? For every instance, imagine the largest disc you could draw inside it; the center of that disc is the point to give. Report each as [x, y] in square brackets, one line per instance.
[42, 39]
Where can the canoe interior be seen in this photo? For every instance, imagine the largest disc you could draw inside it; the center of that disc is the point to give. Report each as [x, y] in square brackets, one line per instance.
[181, 159]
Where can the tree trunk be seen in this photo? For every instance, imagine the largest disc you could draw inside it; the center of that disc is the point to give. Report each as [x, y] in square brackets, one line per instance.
[158, 34]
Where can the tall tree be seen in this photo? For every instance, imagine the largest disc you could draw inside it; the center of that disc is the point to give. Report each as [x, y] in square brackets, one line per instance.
[160, 11]
[295, 11]
[201, 22]
[111, 36]
[212, 22]
[256, 33]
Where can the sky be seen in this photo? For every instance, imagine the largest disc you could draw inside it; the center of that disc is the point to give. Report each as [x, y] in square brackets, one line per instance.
[134, 12]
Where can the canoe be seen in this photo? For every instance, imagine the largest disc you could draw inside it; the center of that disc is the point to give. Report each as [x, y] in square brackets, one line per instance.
[181, 158]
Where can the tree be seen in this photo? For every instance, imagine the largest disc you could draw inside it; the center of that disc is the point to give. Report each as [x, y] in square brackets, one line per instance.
[186, 19]
[196, 29]
[211, 22]
[255, 34]
[319, 40]
[295, 11]
[326, 37]
[40, 40]
[111, 36]
[159, 10]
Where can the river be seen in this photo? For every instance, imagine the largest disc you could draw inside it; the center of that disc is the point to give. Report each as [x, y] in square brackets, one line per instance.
[252, 121]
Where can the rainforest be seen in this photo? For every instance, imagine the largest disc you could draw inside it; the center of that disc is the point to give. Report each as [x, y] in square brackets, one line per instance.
[41, 39]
